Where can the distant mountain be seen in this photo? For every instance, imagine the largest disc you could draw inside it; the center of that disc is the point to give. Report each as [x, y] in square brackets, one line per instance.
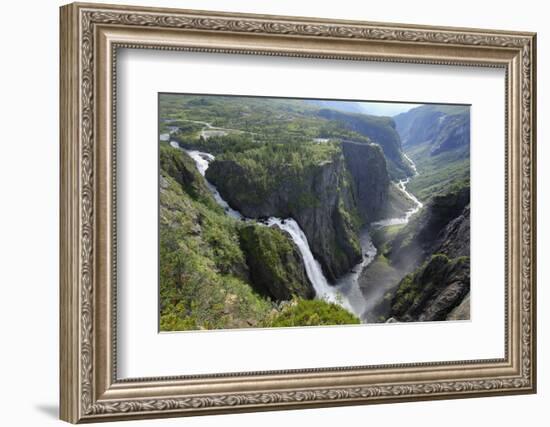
[443, 126]
[437, 138]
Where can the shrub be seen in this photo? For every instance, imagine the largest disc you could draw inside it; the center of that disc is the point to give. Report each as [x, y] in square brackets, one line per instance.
[302, 312]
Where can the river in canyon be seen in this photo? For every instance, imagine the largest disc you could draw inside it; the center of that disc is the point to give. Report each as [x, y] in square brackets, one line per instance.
[346, 291]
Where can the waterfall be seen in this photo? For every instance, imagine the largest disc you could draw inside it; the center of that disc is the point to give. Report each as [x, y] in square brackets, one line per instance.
[346, 291]
[323, 289]
[202, 161]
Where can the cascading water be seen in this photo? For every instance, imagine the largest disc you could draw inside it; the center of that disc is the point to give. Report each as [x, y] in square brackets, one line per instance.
[202, 161]
[402, 185]
[346, 291]
[413, 166]
[323, 289]
[348, 284]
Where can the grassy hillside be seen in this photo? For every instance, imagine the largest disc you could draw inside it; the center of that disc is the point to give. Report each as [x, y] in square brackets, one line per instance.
[438, 173]
[437, 139]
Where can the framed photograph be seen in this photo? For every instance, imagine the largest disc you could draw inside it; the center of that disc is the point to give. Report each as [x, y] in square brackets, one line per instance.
[266, 212]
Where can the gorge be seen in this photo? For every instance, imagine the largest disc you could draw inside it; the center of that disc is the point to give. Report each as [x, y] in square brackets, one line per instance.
[345, 291]
[319, 200]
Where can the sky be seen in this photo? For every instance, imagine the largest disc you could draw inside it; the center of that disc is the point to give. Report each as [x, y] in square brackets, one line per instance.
[374, 108]
[386, 108]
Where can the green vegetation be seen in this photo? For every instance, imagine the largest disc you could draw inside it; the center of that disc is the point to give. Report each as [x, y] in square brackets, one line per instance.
[441, 173]
[437, 138]
[219, 273]
[308, 182]
[275, 264]
[257, 121]
[217, 144]
[266, 167]
[382, 235]
[382, 272]
[182, 169]
[398, 203]
[311, 313]
[417, 289]
[380, 130]
[203, 273]
[328, 170]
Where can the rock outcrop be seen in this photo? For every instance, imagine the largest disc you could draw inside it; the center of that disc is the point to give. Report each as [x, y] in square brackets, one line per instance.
[178, 165]
[275, 263]
[461, 311]
[321, 200]
[433, 291]
[441, 227]
[444, 127]
[380, 130]
[455, 238]
[367, 166]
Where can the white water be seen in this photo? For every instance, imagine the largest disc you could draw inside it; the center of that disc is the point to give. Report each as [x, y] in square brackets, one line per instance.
[323, 290]
[412, 164]
[202, 161]
[346, 292]
[348, 284]
[402, 186]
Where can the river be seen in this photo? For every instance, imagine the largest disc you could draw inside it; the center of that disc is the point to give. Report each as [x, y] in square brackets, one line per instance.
[346, 291]
[417, 204]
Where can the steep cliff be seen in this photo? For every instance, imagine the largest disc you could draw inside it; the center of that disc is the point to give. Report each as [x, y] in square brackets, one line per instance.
[381, 130]
[318, 194]
[441, 227]
[408, 280]
[433, 290]
[276, 266]
[433, 124]
[367, 166]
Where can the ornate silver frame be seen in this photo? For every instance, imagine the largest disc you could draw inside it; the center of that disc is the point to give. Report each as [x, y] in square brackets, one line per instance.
[90, 36]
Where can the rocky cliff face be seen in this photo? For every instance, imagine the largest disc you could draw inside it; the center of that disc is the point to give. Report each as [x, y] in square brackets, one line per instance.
[276, 266]
[442, 227]
[436, 289]
[321, 200]
[445, 128]
[367, 166]
[454, 241]
[433, 291]
[182, 169]
[422, 271]
[381, 130]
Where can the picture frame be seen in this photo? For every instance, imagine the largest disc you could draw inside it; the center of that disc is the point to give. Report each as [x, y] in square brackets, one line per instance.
[91, 35]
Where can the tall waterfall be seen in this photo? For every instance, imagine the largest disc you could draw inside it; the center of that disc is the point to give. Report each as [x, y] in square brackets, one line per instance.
[323, 289]
[346, 291]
